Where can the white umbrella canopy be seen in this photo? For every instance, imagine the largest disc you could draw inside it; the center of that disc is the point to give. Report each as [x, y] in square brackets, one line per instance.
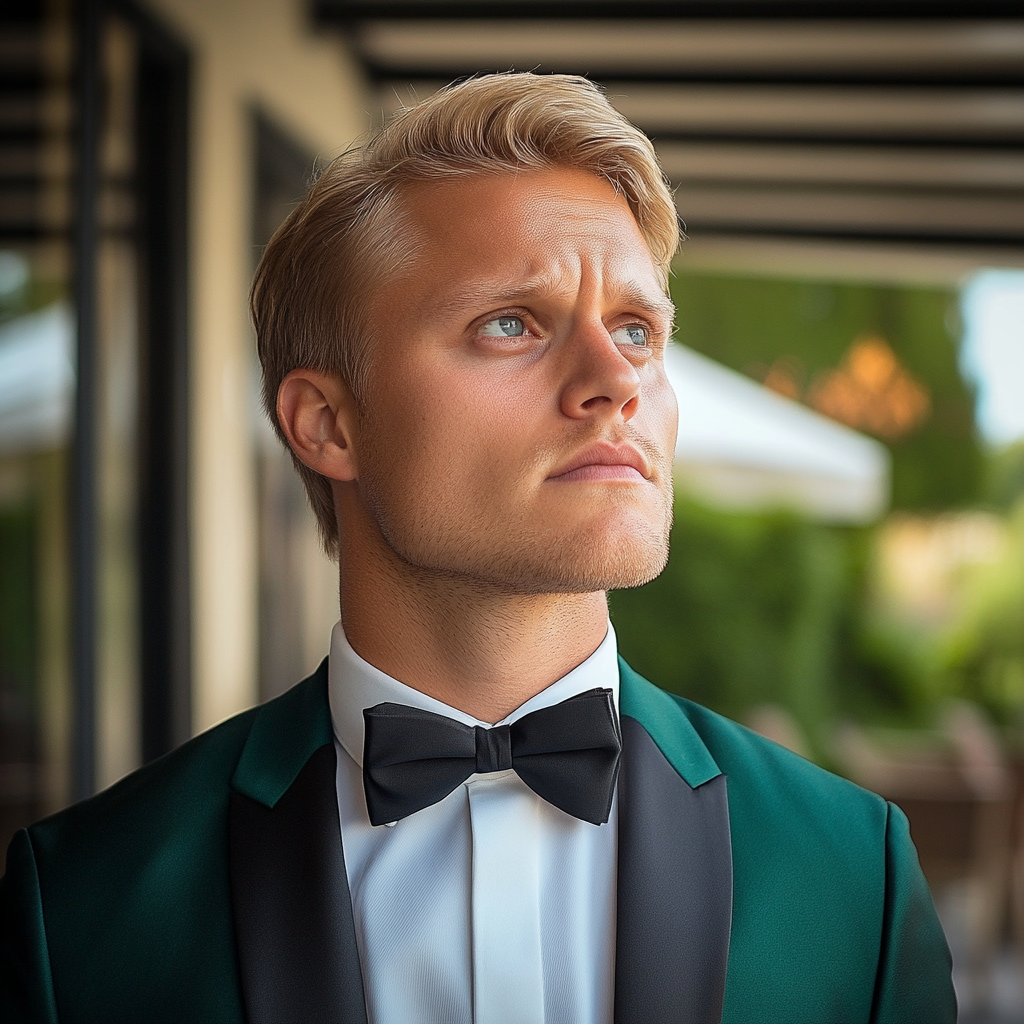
[37, 379]
[743, 446]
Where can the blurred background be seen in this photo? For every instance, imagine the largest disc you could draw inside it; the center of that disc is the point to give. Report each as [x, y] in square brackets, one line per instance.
[847, 572]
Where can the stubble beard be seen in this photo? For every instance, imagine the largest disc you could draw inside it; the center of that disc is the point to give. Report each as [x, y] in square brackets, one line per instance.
[513, 556]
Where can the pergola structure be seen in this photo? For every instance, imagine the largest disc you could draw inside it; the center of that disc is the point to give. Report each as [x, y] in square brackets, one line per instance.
[898, 122]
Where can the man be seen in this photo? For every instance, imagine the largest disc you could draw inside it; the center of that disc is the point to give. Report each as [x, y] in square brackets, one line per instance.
[472, 811]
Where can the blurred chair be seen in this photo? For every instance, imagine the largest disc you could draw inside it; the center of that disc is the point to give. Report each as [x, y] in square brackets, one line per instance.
[956, 788]
[776, 723]
[1016, 873]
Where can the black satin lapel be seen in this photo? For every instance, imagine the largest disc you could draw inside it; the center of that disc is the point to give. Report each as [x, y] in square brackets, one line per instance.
[675, 890]
[293, 914]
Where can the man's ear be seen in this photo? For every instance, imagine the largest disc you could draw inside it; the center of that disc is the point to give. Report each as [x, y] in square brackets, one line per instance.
[317, 413]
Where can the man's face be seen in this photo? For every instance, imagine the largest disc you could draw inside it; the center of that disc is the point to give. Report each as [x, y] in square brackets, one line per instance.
[517, 426]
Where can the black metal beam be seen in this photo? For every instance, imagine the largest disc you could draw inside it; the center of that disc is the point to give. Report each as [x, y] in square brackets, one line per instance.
[163, 466]
[448, 71]
[940, 145]
[348, 12]
[84, 518]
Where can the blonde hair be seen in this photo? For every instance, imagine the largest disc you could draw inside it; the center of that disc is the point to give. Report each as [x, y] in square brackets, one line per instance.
[311, 287]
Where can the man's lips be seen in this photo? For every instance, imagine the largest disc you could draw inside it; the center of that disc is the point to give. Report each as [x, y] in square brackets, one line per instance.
[604, 462]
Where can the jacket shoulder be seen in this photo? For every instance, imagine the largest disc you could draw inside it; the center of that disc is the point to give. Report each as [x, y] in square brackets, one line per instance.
[142, 870]
[184, 785]
[187, 786]
[826, 889]
[797, 829]
[773, 780]
[767, 784]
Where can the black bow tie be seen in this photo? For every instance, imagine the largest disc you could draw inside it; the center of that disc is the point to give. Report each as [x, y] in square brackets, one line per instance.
[568, 754]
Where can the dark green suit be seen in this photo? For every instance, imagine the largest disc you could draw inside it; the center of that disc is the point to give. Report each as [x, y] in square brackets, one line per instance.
[210, 885]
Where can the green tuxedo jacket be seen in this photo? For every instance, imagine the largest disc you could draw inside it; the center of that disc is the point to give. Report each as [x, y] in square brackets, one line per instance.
[210, 886]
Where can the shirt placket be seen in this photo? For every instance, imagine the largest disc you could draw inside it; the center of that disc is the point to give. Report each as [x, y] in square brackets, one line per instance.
[508, 979]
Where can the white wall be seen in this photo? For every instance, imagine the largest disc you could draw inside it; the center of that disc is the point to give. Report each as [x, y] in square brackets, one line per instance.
[244, 52]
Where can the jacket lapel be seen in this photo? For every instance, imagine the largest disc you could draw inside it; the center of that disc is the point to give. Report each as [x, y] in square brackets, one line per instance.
[675, 866]
[296, 941]
[292, 910]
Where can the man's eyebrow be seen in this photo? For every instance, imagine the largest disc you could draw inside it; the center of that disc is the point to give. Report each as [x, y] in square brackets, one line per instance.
[644, 301]
[500, 294]
[493, 293]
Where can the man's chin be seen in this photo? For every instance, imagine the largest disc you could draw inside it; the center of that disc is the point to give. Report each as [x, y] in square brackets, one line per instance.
[622, 571]
[613, 549]
[584, 566]
[616, 552]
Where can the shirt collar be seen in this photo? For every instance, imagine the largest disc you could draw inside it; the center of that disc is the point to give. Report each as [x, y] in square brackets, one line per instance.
[354, 684]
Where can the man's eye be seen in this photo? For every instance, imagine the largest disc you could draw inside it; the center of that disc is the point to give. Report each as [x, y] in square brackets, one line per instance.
[634, 334]
[504, 327]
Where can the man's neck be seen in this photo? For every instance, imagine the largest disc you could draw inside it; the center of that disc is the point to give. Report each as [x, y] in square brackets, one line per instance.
[464, 643]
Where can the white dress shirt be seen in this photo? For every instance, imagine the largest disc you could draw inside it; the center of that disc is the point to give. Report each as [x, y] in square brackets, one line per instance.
[491, 906]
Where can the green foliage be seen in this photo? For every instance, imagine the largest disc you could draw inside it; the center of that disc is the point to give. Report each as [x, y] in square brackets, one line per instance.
[34, 294]
[981, 653]
[1004, 476]
[768, 608]
[888, 677]
[752, 609]
[750, 323]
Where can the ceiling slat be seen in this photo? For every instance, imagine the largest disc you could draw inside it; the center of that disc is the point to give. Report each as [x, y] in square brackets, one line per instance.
[843, 165]
[603, 49]
[820, 211]
[896, 121]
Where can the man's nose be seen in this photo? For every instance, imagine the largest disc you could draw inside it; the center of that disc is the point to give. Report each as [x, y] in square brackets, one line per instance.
[600, 381]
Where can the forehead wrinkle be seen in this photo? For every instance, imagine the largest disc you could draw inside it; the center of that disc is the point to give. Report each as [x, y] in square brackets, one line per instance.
[504, 291]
